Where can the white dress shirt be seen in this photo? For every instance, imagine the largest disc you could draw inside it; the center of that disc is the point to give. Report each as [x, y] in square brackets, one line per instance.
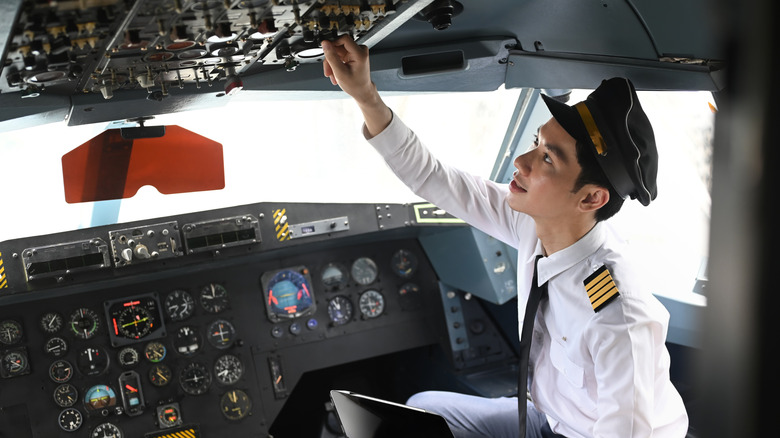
[594, 373]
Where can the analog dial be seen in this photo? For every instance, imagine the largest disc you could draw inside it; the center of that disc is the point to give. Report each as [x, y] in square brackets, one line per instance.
[228, 369]
[52, 322]
[404, 263]
[106, 430]
[179, 305]
[128, 357]
[221, 334]
[92, 361]
[364, 271]
[187, 340]
[334, 277]
[195, 378]
[99, 397]
[56, 347]
[15, 363]
[169, 415]
[339, 310]
[235, 404]
[66, 395]
[61, 371]
[70, 419]
[10, 332]
[84, 323]
[135, 322]
[160, 375]
[155, 351]
[371, 303]
[214, 298]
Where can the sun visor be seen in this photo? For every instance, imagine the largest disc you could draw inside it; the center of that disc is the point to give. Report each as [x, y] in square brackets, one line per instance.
[118, 162]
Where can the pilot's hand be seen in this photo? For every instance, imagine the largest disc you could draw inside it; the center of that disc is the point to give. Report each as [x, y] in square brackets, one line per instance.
[346, 64]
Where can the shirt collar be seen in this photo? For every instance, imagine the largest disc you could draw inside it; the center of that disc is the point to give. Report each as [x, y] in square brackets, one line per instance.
[564, 259]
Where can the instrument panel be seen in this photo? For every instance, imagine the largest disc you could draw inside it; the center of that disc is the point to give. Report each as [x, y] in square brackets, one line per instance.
[207, 348]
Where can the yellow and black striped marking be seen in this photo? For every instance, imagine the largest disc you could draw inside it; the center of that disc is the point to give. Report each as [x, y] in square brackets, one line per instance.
[3, 280]
[181, 432]
[282, 228]
[601, 288]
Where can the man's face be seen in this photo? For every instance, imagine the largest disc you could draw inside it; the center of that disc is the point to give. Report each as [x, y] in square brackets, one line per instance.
[545, 176]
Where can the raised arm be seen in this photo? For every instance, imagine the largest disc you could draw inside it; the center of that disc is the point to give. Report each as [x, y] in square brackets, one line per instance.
[346, 64]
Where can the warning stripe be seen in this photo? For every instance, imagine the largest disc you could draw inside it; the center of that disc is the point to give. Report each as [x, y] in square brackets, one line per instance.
[189, 433]
[3, 280]
[280, 222]
[601, 288]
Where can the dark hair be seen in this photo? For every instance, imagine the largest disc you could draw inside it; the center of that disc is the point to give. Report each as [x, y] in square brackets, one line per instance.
[591, 173]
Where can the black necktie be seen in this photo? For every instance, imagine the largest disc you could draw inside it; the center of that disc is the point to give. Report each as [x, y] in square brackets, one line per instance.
[536, 295]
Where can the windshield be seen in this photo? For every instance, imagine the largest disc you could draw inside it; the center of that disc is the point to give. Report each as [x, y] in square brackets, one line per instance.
[297, 150]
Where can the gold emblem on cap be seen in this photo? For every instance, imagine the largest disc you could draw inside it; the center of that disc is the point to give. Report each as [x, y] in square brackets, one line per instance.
[593, 130]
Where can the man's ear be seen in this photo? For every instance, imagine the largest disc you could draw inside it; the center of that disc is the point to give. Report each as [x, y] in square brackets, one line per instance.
[594, 198]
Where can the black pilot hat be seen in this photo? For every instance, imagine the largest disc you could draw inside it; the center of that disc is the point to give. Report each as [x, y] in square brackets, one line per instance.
[612, 122]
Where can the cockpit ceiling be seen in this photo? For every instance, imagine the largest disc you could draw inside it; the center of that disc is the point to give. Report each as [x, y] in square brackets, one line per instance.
[66, 57]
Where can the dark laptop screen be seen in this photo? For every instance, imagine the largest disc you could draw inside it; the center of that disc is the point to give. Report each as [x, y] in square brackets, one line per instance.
[367, 417]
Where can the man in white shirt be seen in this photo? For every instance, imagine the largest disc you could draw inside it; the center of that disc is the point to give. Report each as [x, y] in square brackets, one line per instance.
[598, 357]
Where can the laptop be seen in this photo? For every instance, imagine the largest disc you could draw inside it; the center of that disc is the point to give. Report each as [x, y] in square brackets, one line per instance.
[362, 416]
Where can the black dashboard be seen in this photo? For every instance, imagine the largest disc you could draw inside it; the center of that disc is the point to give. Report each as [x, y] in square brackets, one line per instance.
[201, 325]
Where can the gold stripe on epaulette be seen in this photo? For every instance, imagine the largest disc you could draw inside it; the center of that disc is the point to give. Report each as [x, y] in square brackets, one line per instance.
[601, 288]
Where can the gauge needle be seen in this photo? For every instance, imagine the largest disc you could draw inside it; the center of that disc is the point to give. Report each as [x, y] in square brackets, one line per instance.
[135, 322]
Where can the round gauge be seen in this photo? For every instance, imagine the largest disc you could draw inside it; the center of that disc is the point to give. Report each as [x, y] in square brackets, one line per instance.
[187, 340]
[99, 397]
[179, 305]
[221, 334]
[61, 371]
[55, 347]
[66, 395]
[214, 298]
[408, 289]
[160, 374]
[169, 415]
[106, 430]
[15, 363]
[195, 378]
[235, 404]
[408, 296]
[84, 323]
[334, 277]
[52, 322]
[288, 294]
[92, 361]
[10, 332]
[135, 322]
[404, 263]
[339, 310]
[364, 271]
[371, 303]
[155, 351]
[70, 419]
[128, 357]
[228, 369]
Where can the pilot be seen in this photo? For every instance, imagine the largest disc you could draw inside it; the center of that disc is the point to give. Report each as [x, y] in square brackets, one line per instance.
[598, 361]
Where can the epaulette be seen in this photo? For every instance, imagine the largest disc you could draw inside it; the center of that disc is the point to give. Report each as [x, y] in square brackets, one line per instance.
[601, 288]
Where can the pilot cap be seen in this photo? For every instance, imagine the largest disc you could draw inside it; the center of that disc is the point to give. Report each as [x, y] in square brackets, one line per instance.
[611, 121]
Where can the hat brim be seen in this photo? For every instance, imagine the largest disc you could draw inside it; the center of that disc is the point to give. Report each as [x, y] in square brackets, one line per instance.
[568, 117]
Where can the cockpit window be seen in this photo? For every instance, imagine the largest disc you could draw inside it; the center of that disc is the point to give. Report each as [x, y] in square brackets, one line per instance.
[302, 150]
